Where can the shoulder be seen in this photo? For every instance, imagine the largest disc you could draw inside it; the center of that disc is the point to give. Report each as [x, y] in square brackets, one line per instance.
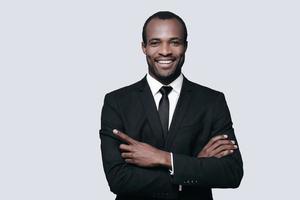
[206, 99]
[126, 90]
[203, 96]
[203, 91]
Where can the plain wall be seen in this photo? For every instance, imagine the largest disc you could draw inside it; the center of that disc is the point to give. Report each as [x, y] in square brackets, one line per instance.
[59, 58]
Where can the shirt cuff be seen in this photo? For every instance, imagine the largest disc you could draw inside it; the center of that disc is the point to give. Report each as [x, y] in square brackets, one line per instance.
[172, 166]
[172, 172]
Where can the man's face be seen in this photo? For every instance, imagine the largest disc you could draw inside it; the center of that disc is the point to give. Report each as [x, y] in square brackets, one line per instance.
[165, 49]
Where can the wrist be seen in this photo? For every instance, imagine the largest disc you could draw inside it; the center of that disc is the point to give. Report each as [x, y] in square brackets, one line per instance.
[165, 160]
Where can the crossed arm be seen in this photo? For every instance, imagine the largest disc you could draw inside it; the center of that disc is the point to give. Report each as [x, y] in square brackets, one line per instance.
[137, 168]
[144, 155]
[145, 170]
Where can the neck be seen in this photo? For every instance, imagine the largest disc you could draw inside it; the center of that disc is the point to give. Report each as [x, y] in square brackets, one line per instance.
[166, 80]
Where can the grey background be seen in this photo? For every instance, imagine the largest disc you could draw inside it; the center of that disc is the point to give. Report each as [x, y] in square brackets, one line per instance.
[59, 58]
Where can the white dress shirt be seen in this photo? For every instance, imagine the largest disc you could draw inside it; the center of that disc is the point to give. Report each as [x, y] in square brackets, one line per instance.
[173, 96]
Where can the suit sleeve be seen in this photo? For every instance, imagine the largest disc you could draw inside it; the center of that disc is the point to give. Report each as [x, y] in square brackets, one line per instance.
[225, 172]
[123, 178]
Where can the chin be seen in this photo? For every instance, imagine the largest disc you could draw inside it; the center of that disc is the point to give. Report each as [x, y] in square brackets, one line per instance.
[166, 75]
[165, 72]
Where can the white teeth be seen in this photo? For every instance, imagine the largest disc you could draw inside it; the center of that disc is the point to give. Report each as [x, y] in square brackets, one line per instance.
[164, 61]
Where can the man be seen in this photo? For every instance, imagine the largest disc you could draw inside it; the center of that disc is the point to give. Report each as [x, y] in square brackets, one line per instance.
[165, 137]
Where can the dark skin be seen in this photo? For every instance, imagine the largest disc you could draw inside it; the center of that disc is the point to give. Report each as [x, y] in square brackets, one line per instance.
[165, 53]
[145, 155]
[165, 49]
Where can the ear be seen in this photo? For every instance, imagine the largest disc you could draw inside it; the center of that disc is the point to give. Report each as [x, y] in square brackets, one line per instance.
[143, 47]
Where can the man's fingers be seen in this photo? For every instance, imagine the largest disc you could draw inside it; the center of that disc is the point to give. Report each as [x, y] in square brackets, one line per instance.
[126, 155]
[215, 139]
[129, 161]
[125, 147]
[224, 153]
[223, 148]
[124, 137]
[219, 143]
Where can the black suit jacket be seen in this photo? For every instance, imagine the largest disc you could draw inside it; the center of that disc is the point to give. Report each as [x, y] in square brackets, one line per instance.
[200, 114]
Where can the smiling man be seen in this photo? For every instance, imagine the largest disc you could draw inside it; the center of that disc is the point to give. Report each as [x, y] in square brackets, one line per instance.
[164, 45]
[166, 137]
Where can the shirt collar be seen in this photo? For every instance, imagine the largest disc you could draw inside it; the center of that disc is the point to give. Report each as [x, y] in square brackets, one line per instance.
[155, 85]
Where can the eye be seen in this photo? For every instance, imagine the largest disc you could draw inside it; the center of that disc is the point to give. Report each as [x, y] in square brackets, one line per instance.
[154, 43]
[175, 43]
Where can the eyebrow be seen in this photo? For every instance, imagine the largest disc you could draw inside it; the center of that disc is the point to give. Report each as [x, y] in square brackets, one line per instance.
[176, 38]
[173, 38]
[153, 39]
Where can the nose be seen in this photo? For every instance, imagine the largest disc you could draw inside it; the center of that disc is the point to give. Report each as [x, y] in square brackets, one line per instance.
[165, 50]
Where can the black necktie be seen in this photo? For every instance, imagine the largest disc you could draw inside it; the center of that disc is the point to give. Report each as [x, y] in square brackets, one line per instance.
[163, 108]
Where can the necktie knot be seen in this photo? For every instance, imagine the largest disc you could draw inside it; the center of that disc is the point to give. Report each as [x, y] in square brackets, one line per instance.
[165, 90]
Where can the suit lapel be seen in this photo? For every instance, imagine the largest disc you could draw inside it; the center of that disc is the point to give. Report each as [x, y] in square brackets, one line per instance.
[149, 106]
[180, 111]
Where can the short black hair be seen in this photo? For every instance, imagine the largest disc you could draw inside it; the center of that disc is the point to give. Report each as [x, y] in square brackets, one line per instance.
[164, 15]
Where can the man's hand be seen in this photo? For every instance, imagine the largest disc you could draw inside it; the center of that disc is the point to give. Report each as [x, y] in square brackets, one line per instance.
[219, 146]
[142, 154]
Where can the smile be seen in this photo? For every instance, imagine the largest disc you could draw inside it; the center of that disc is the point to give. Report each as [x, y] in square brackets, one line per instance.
[165, 61]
